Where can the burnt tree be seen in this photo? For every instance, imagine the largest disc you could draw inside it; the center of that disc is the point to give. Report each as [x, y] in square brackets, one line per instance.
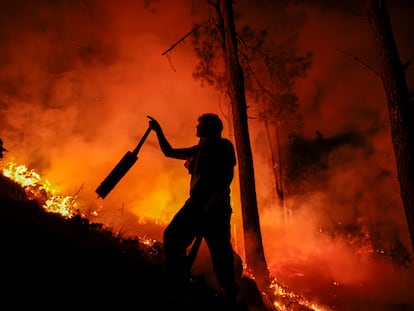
[254, 252]
[400, 109]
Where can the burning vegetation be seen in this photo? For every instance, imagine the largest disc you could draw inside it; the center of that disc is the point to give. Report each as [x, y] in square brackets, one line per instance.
[41, 190]
[52, 254]
[104, 256]
[61, 217]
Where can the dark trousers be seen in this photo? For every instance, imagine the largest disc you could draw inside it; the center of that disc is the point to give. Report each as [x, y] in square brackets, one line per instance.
[189, 222]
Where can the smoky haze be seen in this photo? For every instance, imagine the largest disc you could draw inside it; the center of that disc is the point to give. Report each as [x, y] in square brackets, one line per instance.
[78, 78]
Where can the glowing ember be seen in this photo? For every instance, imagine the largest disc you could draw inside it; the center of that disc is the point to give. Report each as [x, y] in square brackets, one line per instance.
[146, 220]
[284, 297]
[40, 190]
[281, 297]
[153, 248]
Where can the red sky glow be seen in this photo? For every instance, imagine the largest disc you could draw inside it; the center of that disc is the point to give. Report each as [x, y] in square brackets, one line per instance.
[78, 78]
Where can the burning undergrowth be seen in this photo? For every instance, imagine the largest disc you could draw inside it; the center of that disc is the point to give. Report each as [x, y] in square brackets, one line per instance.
[61, 246]
[27, 185]
[50, 237]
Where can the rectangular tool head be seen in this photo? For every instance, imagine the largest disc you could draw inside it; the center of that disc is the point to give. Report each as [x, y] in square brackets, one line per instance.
[119, 171]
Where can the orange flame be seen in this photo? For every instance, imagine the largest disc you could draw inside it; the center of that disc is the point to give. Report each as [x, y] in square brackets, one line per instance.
[41, 190]
[283, 297]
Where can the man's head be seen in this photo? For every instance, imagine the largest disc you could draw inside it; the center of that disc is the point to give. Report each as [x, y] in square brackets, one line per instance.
[209, 125]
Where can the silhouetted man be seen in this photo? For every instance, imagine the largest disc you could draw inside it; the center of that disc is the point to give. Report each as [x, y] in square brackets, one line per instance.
[207, 211]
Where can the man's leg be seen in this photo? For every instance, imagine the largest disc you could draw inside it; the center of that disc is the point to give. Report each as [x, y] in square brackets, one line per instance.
[178, 235]
[218, 240]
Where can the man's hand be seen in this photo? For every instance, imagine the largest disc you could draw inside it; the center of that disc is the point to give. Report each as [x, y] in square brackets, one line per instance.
[153, 124]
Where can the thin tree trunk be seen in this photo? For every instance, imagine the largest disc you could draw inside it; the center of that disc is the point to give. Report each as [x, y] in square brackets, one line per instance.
[254, 252]
[277, 169]
[276, 166]
[401, 111]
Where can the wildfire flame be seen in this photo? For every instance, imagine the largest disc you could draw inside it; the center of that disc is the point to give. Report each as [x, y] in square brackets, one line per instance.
[284, 297]
[41, 190]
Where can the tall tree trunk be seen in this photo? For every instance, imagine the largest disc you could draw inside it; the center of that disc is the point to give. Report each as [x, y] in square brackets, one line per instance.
[401, 113]
[255, 258]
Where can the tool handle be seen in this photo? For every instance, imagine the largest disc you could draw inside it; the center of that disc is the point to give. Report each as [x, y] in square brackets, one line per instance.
[141, 142]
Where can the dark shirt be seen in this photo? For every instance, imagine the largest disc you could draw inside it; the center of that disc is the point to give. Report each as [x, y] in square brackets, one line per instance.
[211, 165]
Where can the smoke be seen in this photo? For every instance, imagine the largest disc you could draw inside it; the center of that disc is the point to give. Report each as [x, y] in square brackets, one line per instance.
[78, 78]
[341, 95]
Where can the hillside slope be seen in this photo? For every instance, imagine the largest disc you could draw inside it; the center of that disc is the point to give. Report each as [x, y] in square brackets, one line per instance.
[54, 259]
[49, 261]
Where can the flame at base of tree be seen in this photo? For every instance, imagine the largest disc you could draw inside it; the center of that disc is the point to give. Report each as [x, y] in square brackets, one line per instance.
[285, 297]
[281, 298]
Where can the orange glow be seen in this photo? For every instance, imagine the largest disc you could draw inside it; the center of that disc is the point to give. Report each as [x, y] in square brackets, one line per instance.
[41, 190]
[75, 96]
[284, 297]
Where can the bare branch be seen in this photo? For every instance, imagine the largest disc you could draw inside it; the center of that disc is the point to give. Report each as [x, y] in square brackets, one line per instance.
[182, 39]
[358, 60]
[77, 192]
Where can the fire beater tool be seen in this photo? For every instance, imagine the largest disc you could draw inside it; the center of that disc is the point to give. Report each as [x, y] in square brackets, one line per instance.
[119, 171]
